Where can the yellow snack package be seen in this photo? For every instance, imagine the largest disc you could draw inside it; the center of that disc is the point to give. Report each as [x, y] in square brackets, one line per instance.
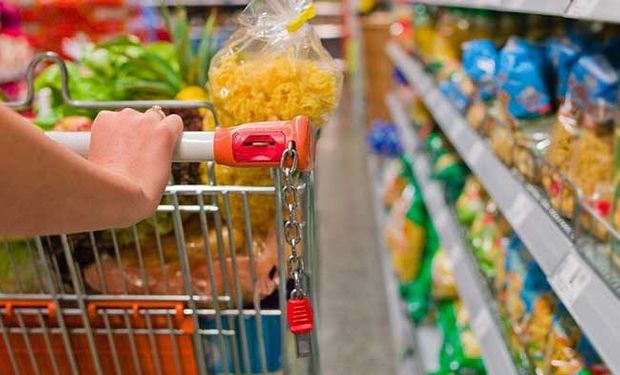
[405, 233]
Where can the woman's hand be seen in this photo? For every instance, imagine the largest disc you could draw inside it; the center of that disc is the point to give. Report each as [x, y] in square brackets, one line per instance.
[47, 189]
[137, 147]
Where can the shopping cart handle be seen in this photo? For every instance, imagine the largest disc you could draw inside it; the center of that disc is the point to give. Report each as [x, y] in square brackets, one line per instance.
[192, 147]
[258, 144]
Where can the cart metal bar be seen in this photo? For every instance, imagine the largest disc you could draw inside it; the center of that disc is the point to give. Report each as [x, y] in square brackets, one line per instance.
[78, 291]
[282, 297]
[218, 314]
[237, 286]
[60, 318]
[187, 282]
[86, 104]
[259, 318]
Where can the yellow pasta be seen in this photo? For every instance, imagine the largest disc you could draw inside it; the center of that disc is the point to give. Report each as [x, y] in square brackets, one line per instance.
[272, 88]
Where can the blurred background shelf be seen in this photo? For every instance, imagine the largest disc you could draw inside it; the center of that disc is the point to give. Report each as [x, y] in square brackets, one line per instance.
[586, 293]
[603, 10]
[470, 285]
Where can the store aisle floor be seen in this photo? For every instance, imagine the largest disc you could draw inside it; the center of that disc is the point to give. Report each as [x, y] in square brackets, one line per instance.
[354, 333]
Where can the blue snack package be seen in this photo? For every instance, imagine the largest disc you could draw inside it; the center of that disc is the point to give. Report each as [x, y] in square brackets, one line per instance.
[479, 62]
[563, 55]
[384, 139]
[521, 80]
[593, 86]
[453, 92]
[611, 50]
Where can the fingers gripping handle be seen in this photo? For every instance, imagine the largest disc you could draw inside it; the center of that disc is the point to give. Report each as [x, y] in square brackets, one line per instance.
[258, 144]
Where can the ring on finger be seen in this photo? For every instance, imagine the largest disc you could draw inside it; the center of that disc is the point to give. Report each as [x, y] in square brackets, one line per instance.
[158, 111]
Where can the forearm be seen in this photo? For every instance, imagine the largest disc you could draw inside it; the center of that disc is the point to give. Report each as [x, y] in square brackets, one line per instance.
[45, 188]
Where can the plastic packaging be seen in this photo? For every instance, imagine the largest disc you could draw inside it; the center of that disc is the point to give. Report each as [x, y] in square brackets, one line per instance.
[479, 62]
[531, 143]
[471, 201]
[405, 233]
[460, 352]
[593, 153]
[501, 134]
[444, 284]
[274, 67]
[554, 172]
[398, 175]
[522, 85]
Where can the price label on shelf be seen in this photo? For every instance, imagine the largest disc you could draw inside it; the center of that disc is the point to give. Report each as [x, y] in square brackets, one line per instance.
[482, 323]
[571, 279]
[581, 8]
[520, 209]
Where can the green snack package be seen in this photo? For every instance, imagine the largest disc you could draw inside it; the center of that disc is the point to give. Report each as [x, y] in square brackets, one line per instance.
[460, 352]
[417, 293]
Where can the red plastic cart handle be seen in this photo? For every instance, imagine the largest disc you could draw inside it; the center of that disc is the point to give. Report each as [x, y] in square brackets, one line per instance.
[262, 143]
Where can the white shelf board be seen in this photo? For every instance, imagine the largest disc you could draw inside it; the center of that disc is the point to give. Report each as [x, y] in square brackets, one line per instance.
[591, 301]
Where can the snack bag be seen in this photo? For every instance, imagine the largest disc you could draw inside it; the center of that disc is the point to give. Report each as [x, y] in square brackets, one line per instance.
[539, 305]
[397, 176]
[417, 293]
[460, 352]
[479, 62]
[563, 55]
[405, 233]
[451, 171]
[521, 81]
[471, 201]
[561, 358]
[591, 167]
[524, 95]
[272, 68]
[384, 139]
[444, 285]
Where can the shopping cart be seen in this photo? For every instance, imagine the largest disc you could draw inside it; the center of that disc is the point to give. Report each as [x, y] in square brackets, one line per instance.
[192, 290]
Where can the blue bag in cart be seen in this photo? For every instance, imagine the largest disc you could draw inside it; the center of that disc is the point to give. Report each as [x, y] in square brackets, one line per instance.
[217, 362]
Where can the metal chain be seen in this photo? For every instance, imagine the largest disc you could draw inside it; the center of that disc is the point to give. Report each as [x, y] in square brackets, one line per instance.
[292, 227]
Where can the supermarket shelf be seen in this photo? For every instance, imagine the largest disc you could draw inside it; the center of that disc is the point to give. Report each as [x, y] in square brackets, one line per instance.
[587, 296]
[548, 7]
[603, 10]
[471, 287]
[409, 361]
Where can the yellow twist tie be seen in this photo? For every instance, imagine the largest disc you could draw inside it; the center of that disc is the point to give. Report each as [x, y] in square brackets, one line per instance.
[303, 17]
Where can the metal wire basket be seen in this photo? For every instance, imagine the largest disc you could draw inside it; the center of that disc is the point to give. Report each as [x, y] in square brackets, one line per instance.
[195, 289]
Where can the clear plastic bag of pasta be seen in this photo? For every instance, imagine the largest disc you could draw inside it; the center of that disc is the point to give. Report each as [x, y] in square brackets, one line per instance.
[274, 67]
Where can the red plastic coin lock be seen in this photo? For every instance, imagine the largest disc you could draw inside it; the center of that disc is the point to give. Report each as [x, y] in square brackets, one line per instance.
[261, 144]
